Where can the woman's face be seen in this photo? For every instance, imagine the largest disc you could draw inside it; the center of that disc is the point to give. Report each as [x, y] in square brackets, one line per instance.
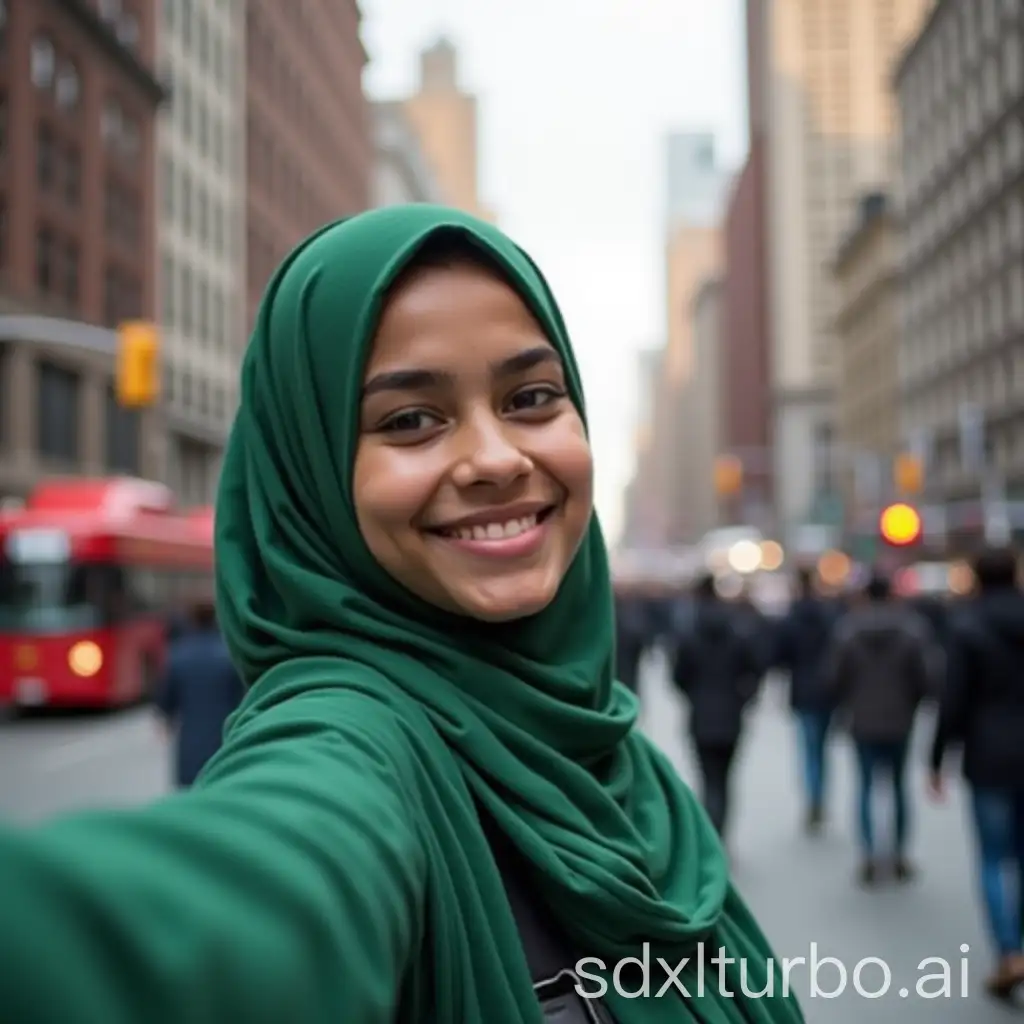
[473, 476]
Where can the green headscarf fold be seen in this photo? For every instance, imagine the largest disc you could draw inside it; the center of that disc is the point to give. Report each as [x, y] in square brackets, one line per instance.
[533, 725]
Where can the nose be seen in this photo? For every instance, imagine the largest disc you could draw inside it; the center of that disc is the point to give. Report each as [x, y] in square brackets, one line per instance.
[490, 455]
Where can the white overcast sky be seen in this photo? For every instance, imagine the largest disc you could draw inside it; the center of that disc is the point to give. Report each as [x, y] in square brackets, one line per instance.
[576, 97]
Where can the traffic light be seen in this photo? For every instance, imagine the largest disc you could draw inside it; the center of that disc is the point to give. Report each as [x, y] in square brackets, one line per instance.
[138, 364]
[900, 525]
[908, 474]
[728, 476]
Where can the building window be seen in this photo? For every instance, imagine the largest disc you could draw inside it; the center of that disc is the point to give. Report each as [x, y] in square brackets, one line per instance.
[43, 62]
[122, 297]
[186, 202]
[46, 258]
[72, 173]
[57, 425]
[46, 157]
[69, 279]
[203, 311]
[167, 287]
[185, 111]
[168, 187]
[123, 436]
[68, 89]
[186, 300]
[203, 216]
[186, 22]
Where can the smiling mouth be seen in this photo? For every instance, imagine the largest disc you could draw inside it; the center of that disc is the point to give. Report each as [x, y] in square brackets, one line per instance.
[496, 531]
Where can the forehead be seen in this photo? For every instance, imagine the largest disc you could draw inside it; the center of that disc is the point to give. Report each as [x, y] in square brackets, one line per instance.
[459, 313]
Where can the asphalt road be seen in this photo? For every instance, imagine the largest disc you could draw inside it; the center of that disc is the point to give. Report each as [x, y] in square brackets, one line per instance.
[802, 889]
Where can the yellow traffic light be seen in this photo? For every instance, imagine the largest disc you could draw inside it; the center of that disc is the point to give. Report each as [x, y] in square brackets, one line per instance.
[900, 525]
[138, 363]
[728, 475]
[908, 474]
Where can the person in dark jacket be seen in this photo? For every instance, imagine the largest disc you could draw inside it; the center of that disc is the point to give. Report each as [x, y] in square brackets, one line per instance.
[801, 645]
[982, 708]
[881, 666]
[199, 690]
[717, 666]
[634, 631]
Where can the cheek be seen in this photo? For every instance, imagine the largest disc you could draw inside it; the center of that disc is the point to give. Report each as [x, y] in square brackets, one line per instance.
[567, 457]
[391, 487]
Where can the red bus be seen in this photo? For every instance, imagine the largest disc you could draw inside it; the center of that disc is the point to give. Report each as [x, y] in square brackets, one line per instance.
[90, 573]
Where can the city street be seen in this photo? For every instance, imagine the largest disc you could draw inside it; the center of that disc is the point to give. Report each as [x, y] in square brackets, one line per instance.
[801, 888]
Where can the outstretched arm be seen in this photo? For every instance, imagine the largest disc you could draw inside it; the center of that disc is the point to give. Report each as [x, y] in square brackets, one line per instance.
[288, 888]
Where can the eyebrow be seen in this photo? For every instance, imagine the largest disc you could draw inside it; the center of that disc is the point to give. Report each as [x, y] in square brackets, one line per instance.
[421, 380]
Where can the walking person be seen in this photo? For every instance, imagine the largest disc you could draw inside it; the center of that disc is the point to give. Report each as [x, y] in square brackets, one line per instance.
[433, 767]
[881, 666]
[801, 645]
[982, 710]
[634, 630]
[199, 690]
[717, 665]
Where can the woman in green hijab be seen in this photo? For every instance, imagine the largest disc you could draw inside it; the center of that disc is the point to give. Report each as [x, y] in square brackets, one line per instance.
[416, 590]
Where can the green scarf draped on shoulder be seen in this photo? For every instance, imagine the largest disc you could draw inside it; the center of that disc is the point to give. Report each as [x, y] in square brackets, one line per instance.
[523, 719]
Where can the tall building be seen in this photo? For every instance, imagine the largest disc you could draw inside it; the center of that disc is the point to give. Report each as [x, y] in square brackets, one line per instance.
[702, 409]
[78, 96]
[402, 173]
[825, 78]
[308, 131]
[201, 216]
[693, 254]
[642, 521]
[868, 335]
[694, 181]
[745, 429]
[445, 118]
[961, 97]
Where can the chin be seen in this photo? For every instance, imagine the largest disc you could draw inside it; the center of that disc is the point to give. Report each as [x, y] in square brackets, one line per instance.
[505, 601]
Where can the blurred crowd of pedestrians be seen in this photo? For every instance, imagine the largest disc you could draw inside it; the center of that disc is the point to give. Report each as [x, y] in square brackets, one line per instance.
[865, 664]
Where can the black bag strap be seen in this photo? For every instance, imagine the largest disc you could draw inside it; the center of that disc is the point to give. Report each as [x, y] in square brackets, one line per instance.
[547, 951]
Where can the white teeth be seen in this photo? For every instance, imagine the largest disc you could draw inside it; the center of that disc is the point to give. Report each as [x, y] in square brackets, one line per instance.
[496, 531]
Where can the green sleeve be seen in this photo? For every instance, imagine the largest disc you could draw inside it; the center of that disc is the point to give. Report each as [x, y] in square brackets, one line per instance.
[289, 889]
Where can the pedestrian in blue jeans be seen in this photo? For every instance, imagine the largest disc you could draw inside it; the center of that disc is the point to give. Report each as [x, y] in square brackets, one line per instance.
[880, 667]
[801, 643]
[982, 709]
[885, 758]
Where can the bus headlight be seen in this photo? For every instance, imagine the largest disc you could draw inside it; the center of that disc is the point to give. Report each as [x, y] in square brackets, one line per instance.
[85, 658]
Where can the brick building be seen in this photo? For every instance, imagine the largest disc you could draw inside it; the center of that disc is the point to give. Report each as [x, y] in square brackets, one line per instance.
[78, 98]
[309, 130]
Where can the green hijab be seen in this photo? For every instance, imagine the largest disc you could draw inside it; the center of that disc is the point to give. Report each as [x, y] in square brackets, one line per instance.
[532, 725]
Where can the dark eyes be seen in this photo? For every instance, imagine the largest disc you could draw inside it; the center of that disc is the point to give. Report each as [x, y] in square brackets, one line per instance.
[414, 420]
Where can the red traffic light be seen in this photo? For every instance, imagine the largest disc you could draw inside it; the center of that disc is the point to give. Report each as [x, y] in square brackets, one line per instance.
[900, 525]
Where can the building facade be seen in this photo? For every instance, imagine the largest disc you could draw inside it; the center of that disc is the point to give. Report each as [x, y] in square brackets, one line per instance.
[745, 403]
[402, 173]
[961, 96]
[824, 74]
[445, 117]
[642, 513]
[308, 131]
[201, 216]
[702, 405]
[695, 183]
[77, 247]
[868, 337]
[695, 190]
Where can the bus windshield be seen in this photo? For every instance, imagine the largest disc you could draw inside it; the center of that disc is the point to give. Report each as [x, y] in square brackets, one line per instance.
[50, 597]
